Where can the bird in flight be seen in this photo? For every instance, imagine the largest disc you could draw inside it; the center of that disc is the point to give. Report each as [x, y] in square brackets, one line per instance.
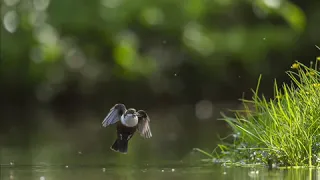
[128, 122]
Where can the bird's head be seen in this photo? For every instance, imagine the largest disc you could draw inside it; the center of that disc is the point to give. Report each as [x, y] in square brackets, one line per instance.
[131, 113]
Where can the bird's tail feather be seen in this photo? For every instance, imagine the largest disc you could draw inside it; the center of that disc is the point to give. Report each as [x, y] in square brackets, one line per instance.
[120, 146]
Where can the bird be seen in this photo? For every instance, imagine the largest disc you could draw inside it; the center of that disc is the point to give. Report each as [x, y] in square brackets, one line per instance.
[127, 121]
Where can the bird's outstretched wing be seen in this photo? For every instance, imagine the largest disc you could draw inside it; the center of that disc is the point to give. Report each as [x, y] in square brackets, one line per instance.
[114, 115]
[144, 124]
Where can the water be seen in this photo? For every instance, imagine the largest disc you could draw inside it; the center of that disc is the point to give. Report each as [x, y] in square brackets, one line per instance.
[163, 172]
[49, 145]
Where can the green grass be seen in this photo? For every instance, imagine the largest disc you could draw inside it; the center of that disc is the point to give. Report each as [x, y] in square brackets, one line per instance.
[283, 131]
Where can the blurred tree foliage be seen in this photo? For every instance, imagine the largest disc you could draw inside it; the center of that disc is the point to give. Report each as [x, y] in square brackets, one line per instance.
[181, 48]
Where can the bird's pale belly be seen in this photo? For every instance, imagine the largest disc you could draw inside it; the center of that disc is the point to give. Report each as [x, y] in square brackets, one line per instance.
[129, 122]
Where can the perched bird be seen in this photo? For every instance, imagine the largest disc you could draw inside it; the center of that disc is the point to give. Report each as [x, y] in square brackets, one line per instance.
[128, 122]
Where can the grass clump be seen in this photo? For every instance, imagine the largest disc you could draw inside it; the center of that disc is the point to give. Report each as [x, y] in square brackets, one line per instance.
[282, 131]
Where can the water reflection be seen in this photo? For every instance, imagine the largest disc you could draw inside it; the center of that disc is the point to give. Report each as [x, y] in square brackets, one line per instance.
[66, 146]
[76, 136]
[153, 173]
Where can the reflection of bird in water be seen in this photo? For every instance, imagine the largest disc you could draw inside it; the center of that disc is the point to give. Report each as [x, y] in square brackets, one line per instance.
[128, 121]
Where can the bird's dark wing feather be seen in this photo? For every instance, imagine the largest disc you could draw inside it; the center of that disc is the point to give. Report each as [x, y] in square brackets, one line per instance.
[114, 115]
[144, 124]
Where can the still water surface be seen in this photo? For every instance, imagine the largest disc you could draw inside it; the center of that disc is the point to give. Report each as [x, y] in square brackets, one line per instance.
[59, 146]
[148, 172]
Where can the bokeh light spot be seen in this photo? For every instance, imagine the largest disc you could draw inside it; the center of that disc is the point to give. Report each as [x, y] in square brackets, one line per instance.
[195, 38]
[273, 3]
[46, 34]
[75, 59]
[152, 16]
[36, 55]
[125, 51]
[111, 3]
[41, 5]
[37, 18]
[11, 21]
[204, 109]
[11, 2]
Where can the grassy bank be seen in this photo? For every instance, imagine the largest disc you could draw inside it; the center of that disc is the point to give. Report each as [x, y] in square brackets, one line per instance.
[280, 132]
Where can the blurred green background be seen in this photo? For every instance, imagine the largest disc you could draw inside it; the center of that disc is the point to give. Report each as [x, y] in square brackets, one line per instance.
[65, 63]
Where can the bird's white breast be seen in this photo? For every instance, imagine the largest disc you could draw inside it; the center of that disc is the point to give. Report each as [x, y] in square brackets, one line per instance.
[129, 120]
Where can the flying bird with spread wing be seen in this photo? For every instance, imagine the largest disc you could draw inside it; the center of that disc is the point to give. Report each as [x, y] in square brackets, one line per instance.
[128, 122]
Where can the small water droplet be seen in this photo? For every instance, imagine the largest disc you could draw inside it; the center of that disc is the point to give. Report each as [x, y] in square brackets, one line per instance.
[67, 166]
[11, 163]
[103, 169]
[173, 170]
[264, 38]
[224, 173]
[162, 170]
[42, 178]
[79, 152]
[175, 74]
